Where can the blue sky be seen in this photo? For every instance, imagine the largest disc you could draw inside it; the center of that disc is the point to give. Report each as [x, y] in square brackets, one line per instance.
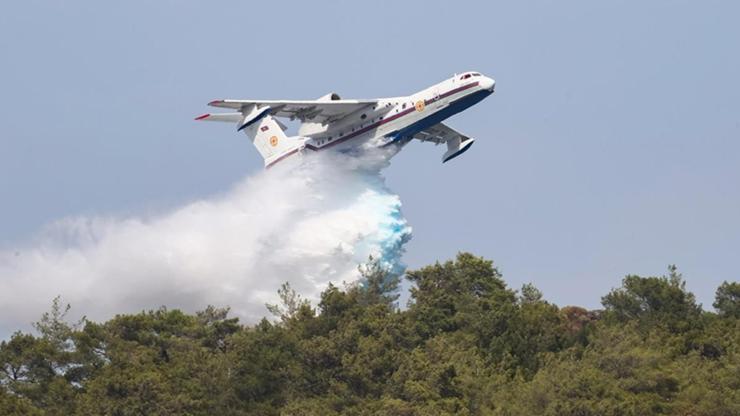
[610, 147]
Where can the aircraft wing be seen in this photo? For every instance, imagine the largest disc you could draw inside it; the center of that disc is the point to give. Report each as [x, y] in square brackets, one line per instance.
[304, 110]
[457, 143]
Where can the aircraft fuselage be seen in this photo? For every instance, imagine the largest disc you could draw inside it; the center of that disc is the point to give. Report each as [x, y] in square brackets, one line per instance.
[357, 125]
[393, 121]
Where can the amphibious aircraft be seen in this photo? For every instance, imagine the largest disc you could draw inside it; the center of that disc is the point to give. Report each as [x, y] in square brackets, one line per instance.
[354, 126]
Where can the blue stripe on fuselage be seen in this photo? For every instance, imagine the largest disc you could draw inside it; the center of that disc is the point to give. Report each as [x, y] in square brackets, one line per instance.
[441, 115]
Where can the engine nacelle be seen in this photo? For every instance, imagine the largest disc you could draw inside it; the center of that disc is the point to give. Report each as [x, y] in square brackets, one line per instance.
[332, 96]
[310, 127]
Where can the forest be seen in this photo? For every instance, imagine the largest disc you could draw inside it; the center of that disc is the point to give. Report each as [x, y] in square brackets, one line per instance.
[466, 344]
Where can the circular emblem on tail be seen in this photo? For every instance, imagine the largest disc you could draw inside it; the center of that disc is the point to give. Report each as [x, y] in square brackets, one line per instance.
[273, 141]
[420, 105]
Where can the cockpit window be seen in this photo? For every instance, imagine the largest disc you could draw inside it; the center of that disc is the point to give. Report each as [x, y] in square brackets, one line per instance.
[475, 74]
[466, 76]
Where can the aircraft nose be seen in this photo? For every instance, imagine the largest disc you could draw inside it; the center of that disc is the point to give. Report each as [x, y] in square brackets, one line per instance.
[488, 84]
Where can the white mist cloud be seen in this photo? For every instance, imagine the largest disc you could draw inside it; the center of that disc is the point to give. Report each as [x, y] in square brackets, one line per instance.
[309, 224]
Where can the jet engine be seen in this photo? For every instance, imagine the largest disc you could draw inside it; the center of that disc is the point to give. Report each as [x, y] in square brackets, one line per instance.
[332, 96]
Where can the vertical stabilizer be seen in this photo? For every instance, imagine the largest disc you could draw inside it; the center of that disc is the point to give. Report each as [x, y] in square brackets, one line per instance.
[266, 134]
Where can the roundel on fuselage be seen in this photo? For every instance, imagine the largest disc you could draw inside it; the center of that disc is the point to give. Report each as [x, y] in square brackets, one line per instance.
[420, 105]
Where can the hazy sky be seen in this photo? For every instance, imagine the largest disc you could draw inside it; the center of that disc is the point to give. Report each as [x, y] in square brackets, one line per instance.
[610, 147]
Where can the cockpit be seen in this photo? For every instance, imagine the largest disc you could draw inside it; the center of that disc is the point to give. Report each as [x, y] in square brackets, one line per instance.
[474, 79]
[469, 75]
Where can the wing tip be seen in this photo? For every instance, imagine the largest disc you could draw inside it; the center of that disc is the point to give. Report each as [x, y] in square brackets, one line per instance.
[215, 102]
[202, 117]
[447, 157]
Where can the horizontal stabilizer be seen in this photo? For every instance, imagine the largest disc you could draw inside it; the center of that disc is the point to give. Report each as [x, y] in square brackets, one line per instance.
[228, 117]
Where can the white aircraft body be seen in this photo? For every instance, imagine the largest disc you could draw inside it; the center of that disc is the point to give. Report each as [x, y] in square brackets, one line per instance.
[355, 126]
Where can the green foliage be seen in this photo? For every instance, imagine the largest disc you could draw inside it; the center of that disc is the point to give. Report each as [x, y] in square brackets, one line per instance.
[380, 286]
[12, 405]
[466, 345]
[465, 294]
[660, 301]
[727, 299]
[291, 303]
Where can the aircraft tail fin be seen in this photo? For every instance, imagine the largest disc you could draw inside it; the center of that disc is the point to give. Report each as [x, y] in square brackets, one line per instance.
[267, 133]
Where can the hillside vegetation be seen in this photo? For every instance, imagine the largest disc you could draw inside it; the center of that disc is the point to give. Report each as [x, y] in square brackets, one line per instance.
[466, 345]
